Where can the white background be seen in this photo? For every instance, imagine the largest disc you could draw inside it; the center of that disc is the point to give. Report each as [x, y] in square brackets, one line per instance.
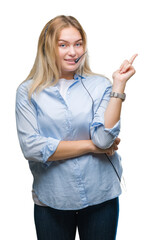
[116, 30]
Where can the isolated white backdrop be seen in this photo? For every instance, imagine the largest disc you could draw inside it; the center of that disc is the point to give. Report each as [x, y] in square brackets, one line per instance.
[116, 30]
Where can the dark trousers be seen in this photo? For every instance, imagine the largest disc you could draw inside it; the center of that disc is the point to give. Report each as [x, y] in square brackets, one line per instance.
[98, 222]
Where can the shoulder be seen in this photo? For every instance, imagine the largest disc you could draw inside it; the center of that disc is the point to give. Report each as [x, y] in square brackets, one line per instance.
[22, 90]
[98, 80]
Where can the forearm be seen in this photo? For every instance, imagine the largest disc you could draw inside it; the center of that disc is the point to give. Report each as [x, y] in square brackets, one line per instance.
[70, 149]
[120, 78]
[113, 111]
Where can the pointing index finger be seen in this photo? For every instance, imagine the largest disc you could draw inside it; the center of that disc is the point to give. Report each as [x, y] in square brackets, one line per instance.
[133, 58]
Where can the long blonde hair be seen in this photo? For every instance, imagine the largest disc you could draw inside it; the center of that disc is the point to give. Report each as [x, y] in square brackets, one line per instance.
[46, 70]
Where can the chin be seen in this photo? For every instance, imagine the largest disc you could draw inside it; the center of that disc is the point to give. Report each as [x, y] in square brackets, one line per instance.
[70, 69]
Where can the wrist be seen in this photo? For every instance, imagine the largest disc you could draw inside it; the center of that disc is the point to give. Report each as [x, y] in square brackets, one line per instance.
[94, 149]
[90, 146]
[118, 87]
[121, 96]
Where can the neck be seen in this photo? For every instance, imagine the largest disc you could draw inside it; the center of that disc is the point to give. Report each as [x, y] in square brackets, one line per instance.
[67, 76]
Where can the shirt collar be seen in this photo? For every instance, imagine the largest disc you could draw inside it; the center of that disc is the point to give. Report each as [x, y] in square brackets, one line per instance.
[78, 77]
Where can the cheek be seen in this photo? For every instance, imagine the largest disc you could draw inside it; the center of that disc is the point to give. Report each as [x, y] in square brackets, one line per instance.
[62, 54]
[82, 50]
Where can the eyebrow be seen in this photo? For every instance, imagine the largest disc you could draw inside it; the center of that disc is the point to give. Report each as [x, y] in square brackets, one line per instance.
[62, 40]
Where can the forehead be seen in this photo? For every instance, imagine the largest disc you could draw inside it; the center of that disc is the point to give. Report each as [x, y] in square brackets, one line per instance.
[70, 34]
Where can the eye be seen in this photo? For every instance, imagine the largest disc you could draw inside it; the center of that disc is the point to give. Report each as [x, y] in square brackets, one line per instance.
[62, 45]
[78, 44]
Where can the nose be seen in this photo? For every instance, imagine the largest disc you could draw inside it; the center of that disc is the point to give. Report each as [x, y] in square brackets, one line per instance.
[72, 51]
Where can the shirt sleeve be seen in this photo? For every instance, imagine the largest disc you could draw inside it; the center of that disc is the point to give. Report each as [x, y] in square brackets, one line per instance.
[34, 146]
[103, 137]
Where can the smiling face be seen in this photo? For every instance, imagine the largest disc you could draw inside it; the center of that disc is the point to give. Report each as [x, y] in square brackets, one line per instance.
[70, 47]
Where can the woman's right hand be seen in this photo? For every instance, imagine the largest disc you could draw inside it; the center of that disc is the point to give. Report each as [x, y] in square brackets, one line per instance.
[110, 151]
[122, 75]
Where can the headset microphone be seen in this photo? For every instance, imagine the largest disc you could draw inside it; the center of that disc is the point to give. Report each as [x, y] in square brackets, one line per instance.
[77, 60]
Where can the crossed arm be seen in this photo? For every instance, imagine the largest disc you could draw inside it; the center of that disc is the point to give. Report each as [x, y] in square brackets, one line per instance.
[70, 149]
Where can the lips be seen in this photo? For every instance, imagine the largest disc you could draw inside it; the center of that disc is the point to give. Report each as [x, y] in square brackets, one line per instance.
[70, 60]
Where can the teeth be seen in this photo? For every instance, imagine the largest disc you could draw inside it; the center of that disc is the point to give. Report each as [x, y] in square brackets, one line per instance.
[70, 60]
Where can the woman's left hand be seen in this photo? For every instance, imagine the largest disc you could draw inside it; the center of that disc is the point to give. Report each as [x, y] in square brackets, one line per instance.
[124, 73]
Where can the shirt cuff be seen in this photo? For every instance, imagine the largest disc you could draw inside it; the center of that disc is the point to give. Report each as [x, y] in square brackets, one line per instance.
[104, 137]
[99, 121]
[48, 150]
[114, 131]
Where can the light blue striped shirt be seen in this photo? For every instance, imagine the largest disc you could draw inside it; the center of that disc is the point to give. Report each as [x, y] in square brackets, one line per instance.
[78, 182]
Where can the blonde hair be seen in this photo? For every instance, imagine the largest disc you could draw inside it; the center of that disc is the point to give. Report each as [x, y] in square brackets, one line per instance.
[46, 70]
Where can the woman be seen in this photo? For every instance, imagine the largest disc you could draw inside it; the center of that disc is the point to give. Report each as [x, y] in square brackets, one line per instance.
[68, 121]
